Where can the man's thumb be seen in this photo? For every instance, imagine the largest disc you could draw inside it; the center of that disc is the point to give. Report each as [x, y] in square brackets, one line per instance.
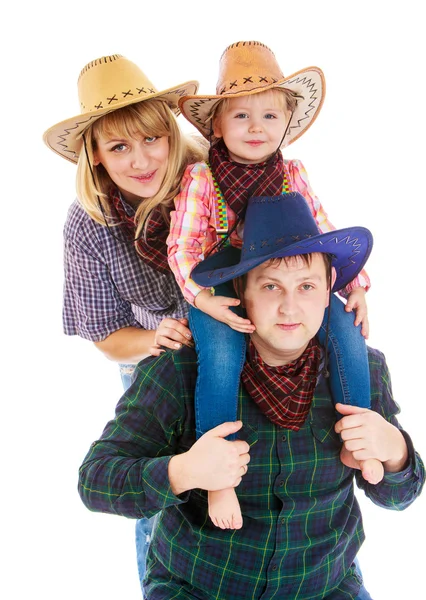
[348, 409]
[225, 429]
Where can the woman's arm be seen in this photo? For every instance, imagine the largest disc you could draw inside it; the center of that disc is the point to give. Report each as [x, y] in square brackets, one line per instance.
[132, 344]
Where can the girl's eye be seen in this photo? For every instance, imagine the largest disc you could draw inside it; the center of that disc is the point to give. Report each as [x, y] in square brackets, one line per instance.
[150, 139]
[241, 116]
[270, 116]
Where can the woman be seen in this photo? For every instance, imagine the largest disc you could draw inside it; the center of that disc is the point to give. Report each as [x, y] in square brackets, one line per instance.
[130, 154]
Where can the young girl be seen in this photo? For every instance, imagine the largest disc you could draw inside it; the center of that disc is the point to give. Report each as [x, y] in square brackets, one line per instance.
[119, 292]
[255, 112]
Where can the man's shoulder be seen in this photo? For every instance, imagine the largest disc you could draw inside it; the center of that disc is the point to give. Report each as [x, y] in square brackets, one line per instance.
[171, 369]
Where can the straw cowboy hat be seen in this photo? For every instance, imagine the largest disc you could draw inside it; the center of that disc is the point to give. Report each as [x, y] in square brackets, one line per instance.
[284, 226]
[104, 85]
[247, 68]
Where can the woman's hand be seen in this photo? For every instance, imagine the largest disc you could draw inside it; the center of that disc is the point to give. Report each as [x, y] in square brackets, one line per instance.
[356, 301]
[171, 333]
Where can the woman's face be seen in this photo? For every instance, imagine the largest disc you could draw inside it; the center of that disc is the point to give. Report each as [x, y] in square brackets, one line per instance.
[137, 166]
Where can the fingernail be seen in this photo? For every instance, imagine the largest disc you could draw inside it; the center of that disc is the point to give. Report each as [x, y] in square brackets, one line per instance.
[189, 336]
[177, 345]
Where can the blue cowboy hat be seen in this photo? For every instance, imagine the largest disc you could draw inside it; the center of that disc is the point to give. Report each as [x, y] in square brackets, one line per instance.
[284, 226]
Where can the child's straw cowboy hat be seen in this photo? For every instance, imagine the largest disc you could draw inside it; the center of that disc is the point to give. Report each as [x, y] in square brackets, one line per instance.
[104, 85]
[248, 68]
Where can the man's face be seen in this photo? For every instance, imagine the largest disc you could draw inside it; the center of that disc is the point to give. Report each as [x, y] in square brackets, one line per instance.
[286, 303]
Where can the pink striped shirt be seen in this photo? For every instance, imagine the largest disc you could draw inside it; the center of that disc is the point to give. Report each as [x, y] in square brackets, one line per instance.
[194, 221]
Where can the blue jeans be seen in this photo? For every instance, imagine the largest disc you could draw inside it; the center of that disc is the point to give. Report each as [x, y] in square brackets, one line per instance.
[144, 527]
[221, 356]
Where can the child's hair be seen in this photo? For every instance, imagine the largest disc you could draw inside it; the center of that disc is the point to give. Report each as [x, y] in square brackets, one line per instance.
[151, 118]
[240, 283]
[288, 98]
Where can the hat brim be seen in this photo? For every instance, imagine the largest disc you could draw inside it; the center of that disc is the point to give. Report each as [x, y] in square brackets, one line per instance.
[309, 83]
[64, 138]
[349, 247]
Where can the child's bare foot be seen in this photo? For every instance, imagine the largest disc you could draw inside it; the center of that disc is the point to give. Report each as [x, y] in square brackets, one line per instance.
[224, 509]
[372, 469]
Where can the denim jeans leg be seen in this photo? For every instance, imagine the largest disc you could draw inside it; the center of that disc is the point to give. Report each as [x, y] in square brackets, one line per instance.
[349, 370]
[221, 356]
[144, 527]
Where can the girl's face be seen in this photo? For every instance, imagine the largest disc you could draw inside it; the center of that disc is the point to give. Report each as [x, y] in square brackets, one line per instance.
[137, 166]
[252, 127]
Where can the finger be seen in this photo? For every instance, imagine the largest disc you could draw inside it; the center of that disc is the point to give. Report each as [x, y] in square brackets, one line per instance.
[349, 409]
[365, 330]
[156, 350]
[225, 429]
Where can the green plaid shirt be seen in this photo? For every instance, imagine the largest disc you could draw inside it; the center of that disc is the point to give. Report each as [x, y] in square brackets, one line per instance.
[302, 523]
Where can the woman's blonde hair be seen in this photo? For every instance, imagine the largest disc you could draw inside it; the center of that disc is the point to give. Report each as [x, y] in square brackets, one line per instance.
[151, 118]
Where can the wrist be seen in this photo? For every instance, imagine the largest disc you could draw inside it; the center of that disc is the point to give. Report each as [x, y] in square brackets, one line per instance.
[177, 474]
[398, 462]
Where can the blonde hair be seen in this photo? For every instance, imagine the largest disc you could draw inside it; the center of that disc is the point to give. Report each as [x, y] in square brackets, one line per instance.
[287, 98]
[151, 118]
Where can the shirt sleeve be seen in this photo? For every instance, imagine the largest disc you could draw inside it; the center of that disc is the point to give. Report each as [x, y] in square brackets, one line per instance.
[300, 181]
[126, 471]
[92, 308]
[189, 224]
[396, 491]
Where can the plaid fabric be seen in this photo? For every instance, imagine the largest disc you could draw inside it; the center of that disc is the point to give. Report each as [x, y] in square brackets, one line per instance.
[194, 222]
[284, 394]
[302, 523]
[152, 245]
[239, 182]
[107, 284]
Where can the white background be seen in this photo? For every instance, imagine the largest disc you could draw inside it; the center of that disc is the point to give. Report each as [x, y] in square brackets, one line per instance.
[365, 159]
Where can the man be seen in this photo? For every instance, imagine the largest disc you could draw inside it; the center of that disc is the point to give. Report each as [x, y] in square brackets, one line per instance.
[302, 524]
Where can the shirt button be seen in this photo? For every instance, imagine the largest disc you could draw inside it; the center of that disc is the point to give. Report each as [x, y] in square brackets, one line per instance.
[282, 520]
[281, 482]
[274, 568]
[284, 438]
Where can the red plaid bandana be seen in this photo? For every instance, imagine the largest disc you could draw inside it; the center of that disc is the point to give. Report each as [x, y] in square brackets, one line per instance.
[284, 394]
[238, 182]
[152, 245]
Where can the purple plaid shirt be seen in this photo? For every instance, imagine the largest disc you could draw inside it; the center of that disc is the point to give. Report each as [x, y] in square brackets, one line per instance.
[107, 284]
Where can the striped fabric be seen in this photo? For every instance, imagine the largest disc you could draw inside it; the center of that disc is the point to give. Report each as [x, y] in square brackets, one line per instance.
[194, 223]
[302, 524]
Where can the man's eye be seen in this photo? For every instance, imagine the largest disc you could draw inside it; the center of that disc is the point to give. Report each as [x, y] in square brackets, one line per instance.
[306, 287]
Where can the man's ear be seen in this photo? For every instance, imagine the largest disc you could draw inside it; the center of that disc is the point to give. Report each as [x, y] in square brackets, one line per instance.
[333, 280]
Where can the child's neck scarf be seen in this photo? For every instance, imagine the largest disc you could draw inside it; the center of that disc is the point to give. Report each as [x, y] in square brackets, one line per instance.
[151, 246]
[239, 182]
[284, 394]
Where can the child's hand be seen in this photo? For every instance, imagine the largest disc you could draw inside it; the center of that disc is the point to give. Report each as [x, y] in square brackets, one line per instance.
[356, 301]
[218, 308]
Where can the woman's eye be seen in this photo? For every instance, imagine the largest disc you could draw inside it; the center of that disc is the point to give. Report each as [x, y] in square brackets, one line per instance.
[150, 139]
[118, 148]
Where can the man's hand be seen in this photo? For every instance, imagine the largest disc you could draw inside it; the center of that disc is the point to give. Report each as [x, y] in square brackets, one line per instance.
[212, 463]
[366, 434]
[171, 333]
[356, 301]
[218, 308]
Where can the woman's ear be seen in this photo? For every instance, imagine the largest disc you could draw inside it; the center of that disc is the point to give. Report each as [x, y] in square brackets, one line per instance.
[96, 160]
